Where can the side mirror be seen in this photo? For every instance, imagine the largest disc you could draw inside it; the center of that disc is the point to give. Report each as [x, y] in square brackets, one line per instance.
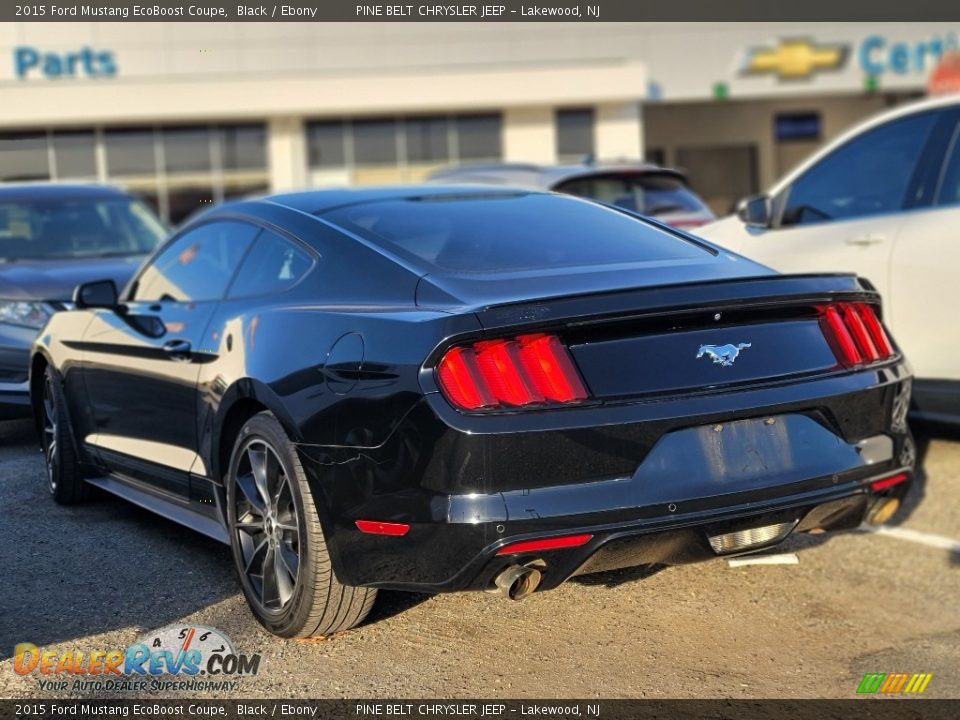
[755, 211]
[97, 294]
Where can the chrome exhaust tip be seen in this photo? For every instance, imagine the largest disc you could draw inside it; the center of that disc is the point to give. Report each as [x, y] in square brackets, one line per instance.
[881, 510]
[517, 582]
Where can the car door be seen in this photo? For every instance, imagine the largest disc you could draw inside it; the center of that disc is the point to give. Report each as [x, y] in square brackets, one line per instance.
[845, 213]
[922, 311]
[141, 364]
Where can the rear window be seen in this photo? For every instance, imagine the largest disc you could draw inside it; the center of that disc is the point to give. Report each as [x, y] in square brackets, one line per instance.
[510, 232]
[648, 194]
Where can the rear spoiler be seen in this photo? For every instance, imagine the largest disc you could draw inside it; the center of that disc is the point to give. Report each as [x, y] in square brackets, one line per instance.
[715, 295]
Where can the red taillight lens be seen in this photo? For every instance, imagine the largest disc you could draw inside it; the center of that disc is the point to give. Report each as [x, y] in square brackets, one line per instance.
[554, 543]
[501, 370]
[889, 482]
[521, 372]
[375, 527]
[844, 345]
[547, 362]
[877, 333]
[461, 381]
[855, 333]
[852, 319]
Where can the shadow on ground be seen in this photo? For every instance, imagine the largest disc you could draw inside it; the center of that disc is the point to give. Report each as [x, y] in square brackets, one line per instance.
[70, 572]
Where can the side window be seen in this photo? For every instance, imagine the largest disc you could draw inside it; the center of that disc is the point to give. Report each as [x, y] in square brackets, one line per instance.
[273, 265]
[866, 176]
[949, 193]
[198, 265]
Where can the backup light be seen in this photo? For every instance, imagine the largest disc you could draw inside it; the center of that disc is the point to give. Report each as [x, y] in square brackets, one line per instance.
[529, 370]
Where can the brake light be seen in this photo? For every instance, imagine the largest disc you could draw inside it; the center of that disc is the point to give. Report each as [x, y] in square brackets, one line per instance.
[554, 543]
[525, 371]
[855, 333]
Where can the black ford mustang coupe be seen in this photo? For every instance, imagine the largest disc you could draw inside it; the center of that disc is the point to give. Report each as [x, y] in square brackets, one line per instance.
[443, 388]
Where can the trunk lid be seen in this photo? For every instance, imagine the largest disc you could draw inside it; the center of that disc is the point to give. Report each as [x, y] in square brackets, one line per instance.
[693, 337]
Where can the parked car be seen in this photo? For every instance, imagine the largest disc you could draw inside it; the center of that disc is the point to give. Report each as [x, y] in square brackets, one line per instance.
[650, 190]
[883, 201]
[53, 237]
[442, 388]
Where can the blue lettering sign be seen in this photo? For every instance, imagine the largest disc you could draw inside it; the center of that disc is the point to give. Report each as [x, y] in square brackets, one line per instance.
[30, 62]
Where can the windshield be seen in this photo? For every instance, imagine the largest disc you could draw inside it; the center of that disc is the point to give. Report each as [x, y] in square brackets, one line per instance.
[510, 232]
[87, 228]
[648, 194]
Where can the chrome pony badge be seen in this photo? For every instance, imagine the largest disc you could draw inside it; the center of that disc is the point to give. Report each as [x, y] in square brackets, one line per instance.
[723, 355]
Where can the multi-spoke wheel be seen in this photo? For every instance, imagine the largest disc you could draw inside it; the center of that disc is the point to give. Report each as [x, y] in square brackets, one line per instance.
[267, 525]
[63, 476]
[277, 542]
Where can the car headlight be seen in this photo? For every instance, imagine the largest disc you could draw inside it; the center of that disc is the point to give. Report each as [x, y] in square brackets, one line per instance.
[25, 313]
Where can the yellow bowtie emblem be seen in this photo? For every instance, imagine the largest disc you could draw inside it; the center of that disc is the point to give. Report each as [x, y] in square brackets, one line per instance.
[794, 59]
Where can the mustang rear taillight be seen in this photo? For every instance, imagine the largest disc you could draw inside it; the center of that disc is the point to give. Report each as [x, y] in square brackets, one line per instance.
[525, 371]
[855, 333]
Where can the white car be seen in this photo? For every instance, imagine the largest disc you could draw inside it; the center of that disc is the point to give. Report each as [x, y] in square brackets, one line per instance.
[883, 201]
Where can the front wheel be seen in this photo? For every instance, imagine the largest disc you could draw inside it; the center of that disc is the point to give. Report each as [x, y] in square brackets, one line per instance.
[277, 542]
[64, 479]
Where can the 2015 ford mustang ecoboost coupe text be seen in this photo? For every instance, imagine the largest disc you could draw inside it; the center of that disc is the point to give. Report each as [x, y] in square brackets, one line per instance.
[444, 388]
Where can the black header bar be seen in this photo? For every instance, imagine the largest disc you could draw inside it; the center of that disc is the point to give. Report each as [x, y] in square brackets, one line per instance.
[450, 709]
[492, 11]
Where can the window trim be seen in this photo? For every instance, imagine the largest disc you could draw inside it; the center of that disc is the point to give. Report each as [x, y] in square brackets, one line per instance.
[311, 253]
[134, 283]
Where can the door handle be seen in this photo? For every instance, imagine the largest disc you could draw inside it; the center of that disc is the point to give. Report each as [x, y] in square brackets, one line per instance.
[178, 349]
[866, 240]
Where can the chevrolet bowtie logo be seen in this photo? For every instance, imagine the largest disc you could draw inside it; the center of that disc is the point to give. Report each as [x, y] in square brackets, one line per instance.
[794, 59]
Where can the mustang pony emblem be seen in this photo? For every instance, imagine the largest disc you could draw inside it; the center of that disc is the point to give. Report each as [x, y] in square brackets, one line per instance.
[723, 355]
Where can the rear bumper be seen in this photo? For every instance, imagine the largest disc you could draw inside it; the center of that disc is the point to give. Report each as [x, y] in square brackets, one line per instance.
[650, 482]
[674, 540]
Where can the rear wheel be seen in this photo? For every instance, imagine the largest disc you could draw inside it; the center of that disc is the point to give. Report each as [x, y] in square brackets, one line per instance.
[63, 473]
[278, 545]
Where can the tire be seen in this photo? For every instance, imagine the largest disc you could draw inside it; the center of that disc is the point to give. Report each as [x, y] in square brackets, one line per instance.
[301, 597]
[64, 478]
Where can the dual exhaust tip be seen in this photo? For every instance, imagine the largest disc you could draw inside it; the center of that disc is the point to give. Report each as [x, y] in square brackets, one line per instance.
[517, 581]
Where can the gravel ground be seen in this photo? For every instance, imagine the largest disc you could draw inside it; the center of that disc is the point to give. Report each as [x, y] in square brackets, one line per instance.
[100, 575]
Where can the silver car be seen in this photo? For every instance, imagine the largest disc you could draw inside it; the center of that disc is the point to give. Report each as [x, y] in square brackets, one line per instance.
[648, 189]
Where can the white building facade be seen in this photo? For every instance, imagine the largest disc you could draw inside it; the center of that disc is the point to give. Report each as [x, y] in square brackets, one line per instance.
[194, 113]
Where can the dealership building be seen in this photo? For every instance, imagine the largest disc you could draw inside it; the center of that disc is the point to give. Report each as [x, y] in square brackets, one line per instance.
[193, 113]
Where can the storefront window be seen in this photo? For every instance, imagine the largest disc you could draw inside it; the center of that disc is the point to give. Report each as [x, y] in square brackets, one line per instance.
[575, 135]
[390, 150]
[375, 142]
[325, 144]
[186, 149]
[130, 152]
[75, 154]
[24, 156]
[243, 147]
[427, 139]
[479, 137]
